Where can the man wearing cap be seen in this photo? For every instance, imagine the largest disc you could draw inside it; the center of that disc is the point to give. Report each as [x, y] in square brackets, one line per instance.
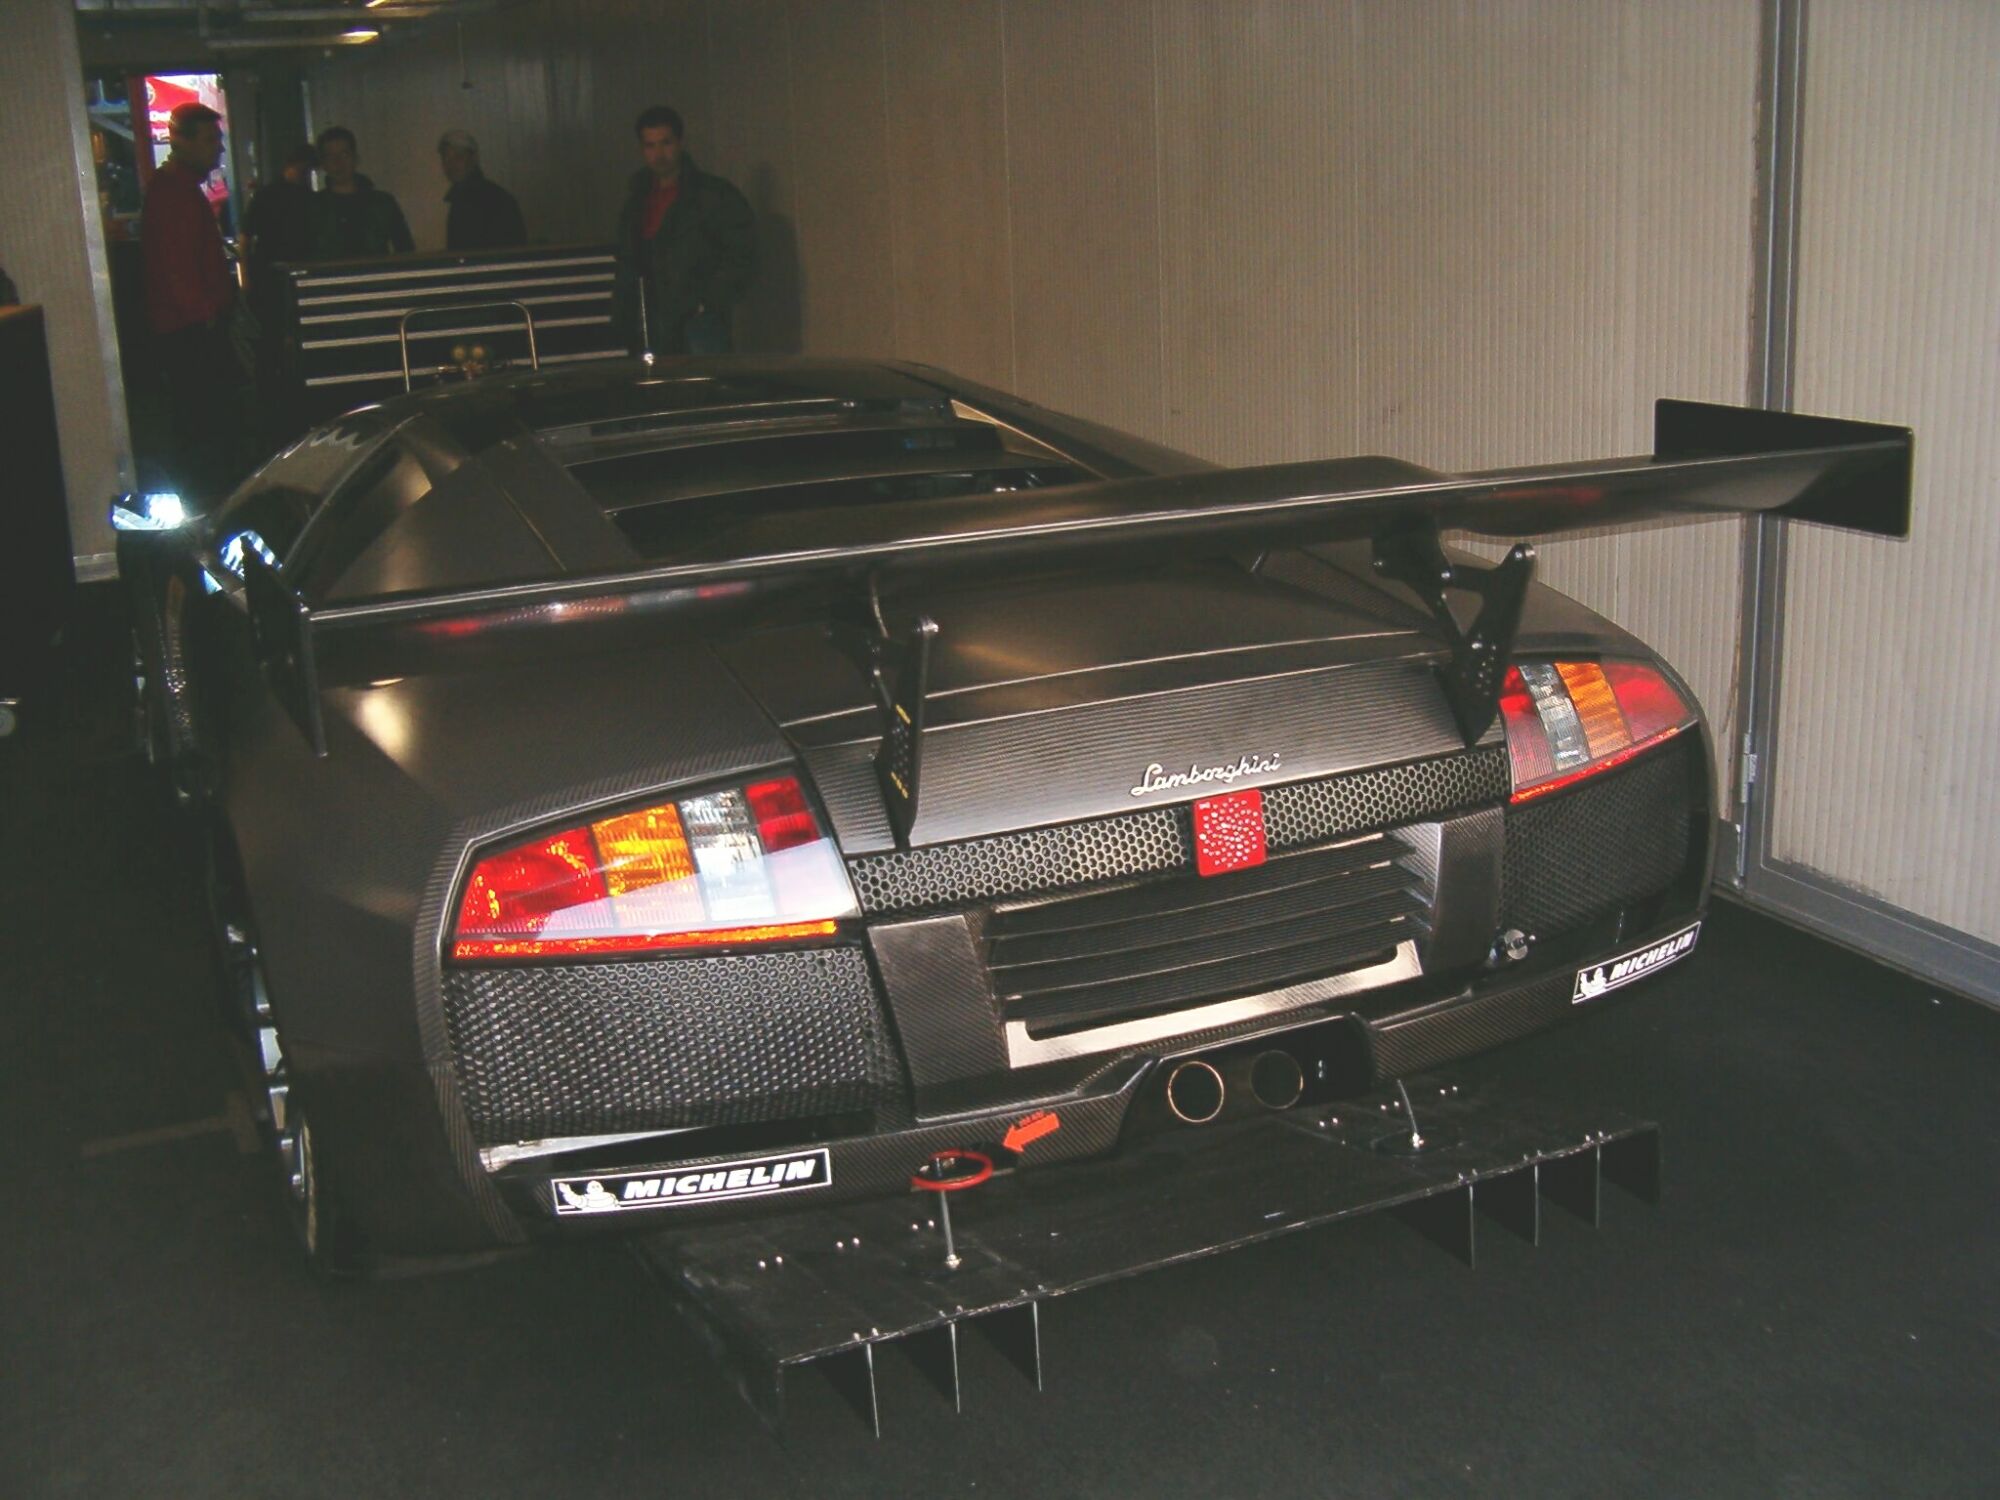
[483, 214]
[189, 297]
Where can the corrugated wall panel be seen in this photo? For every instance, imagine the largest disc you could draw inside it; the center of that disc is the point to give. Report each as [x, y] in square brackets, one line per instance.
[1258, 229]
[840, 140]
[1888, 717]
[751, 66]
[1086, 239]
[947, 167]
[52, 244]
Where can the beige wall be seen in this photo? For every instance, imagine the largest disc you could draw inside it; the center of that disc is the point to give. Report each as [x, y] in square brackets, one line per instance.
[1888, 717]
[52, 244]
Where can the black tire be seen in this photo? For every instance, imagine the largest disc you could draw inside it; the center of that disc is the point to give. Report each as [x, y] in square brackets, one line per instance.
[167, 716]
[319, 1223]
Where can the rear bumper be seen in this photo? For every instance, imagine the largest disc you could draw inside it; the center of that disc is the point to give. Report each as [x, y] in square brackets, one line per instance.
[1108, 1115]
[737, 1064]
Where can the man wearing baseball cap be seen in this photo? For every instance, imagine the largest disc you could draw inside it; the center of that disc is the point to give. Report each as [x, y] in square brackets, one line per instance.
[483, 214]
[189, 297]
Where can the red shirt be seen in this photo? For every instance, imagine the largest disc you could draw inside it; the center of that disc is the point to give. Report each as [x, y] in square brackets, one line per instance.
[187, 278]
[662, 198]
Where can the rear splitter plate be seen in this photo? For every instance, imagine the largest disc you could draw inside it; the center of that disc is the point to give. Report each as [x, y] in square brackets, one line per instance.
[831, 1286]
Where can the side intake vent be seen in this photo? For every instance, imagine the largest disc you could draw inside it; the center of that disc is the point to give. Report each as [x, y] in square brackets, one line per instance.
[589, 1049]
[1600, 845]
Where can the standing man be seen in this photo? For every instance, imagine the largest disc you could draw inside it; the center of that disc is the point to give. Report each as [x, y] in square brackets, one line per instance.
[189, 297]
[688, 238]
[353, 217]
[279, 226]
[483, 214]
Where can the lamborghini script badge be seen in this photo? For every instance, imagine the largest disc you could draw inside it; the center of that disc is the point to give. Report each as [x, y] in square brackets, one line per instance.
[625, 1191]
[1159, 779]
[1602, 979]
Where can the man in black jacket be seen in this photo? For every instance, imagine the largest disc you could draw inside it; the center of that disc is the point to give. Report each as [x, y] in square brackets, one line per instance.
[353, 217]
[483, 214]
[688, 239]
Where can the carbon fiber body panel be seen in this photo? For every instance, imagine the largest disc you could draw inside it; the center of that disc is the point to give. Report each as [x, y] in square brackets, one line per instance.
[597, 1048]
[1613, 840]
[1075, 855]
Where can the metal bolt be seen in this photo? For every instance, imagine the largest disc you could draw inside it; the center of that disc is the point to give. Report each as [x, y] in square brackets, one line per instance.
[760, 1265]
[778, 1260]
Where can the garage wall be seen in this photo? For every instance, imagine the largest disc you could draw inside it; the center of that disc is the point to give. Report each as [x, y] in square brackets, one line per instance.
[1888, 716]
[1467, 234]
[52, 245]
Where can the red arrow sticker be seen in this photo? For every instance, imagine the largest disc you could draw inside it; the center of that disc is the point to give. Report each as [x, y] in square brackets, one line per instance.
[1031, 1128]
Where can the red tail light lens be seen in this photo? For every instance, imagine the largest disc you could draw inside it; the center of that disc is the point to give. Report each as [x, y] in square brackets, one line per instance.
[1568, 720]
[742, 865]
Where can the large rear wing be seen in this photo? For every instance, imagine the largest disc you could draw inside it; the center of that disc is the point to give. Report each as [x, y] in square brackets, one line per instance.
[1706, 460]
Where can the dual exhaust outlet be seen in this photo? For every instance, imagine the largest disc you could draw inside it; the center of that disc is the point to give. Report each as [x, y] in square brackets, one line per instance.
[1200, 1089]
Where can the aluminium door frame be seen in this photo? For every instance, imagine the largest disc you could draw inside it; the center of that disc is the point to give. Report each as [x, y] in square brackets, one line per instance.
[1745, 866]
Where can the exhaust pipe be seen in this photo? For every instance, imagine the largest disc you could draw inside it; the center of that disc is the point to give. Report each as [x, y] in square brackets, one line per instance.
[1272, 1077]
[1199, 1090]
[1195, 1092]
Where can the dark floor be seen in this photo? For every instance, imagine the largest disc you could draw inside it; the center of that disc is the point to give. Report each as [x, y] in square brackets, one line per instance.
[1814, 1310]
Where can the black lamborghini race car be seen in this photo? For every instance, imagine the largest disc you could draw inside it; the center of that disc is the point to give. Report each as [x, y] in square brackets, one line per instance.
[643, 796]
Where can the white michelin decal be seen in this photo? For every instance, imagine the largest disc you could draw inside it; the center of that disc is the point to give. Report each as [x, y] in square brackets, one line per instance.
[1613, 973]
[625, 1191]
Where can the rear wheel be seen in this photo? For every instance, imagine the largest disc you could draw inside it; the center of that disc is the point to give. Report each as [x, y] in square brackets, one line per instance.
[323, 1231]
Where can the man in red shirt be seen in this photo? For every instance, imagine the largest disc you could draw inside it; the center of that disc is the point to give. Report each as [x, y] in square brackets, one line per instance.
[687, 242]
[189, 297]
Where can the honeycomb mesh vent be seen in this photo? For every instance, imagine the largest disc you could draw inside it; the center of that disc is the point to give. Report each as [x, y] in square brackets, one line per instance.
[1589, 850]
[590, 1049]
[1159, 840]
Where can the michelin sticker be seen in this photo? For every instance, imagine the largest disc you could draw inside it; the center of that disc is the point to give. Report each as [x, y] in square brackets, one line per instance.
[1615, 973]
[626, 1191]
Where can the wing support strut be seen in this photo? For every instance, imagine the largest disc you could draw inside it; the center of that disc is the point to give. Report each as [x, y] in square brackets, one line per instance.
[899, 670]
[1414, 556]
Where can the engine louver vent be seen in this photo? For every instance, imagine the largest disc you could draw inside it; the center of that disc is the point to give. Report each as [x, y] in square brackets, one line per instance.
[1117, 955]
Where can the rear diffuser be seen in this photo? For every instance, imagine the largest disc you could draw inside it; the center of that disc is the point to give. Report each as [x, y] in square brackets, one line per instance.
[830, 1287]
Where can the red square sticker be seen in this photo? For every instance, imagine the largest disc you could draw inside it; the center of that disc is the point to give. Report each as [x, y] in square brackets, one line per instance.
[1229, 832]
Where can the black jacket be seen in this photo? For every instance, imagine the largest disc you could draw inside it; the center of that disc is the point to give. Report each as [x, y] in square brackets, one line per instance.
[702, 256]
[366, 221]
[483, 216]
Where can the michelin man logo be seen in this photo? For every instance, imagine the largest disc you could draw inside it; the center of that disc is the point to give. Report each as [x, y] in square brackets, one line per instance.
[1601, 979]
[592, 1200]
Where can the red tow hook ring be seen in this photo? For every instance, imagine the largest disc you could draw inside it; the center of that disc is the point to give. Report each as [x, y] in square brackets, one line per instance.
[955, 1184]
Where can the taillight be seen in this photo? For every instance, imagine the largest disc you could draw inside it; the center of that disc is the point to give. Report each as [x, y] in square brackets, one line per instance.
[1567, 720]
[741, 865]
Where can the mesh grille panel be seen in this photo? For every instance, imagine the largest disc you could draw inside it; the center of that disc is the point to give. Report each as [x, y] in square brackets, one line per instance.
[1590, 850]
[594, 1048]
[1307, 811]
[1012, 864]
[1158, 840]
